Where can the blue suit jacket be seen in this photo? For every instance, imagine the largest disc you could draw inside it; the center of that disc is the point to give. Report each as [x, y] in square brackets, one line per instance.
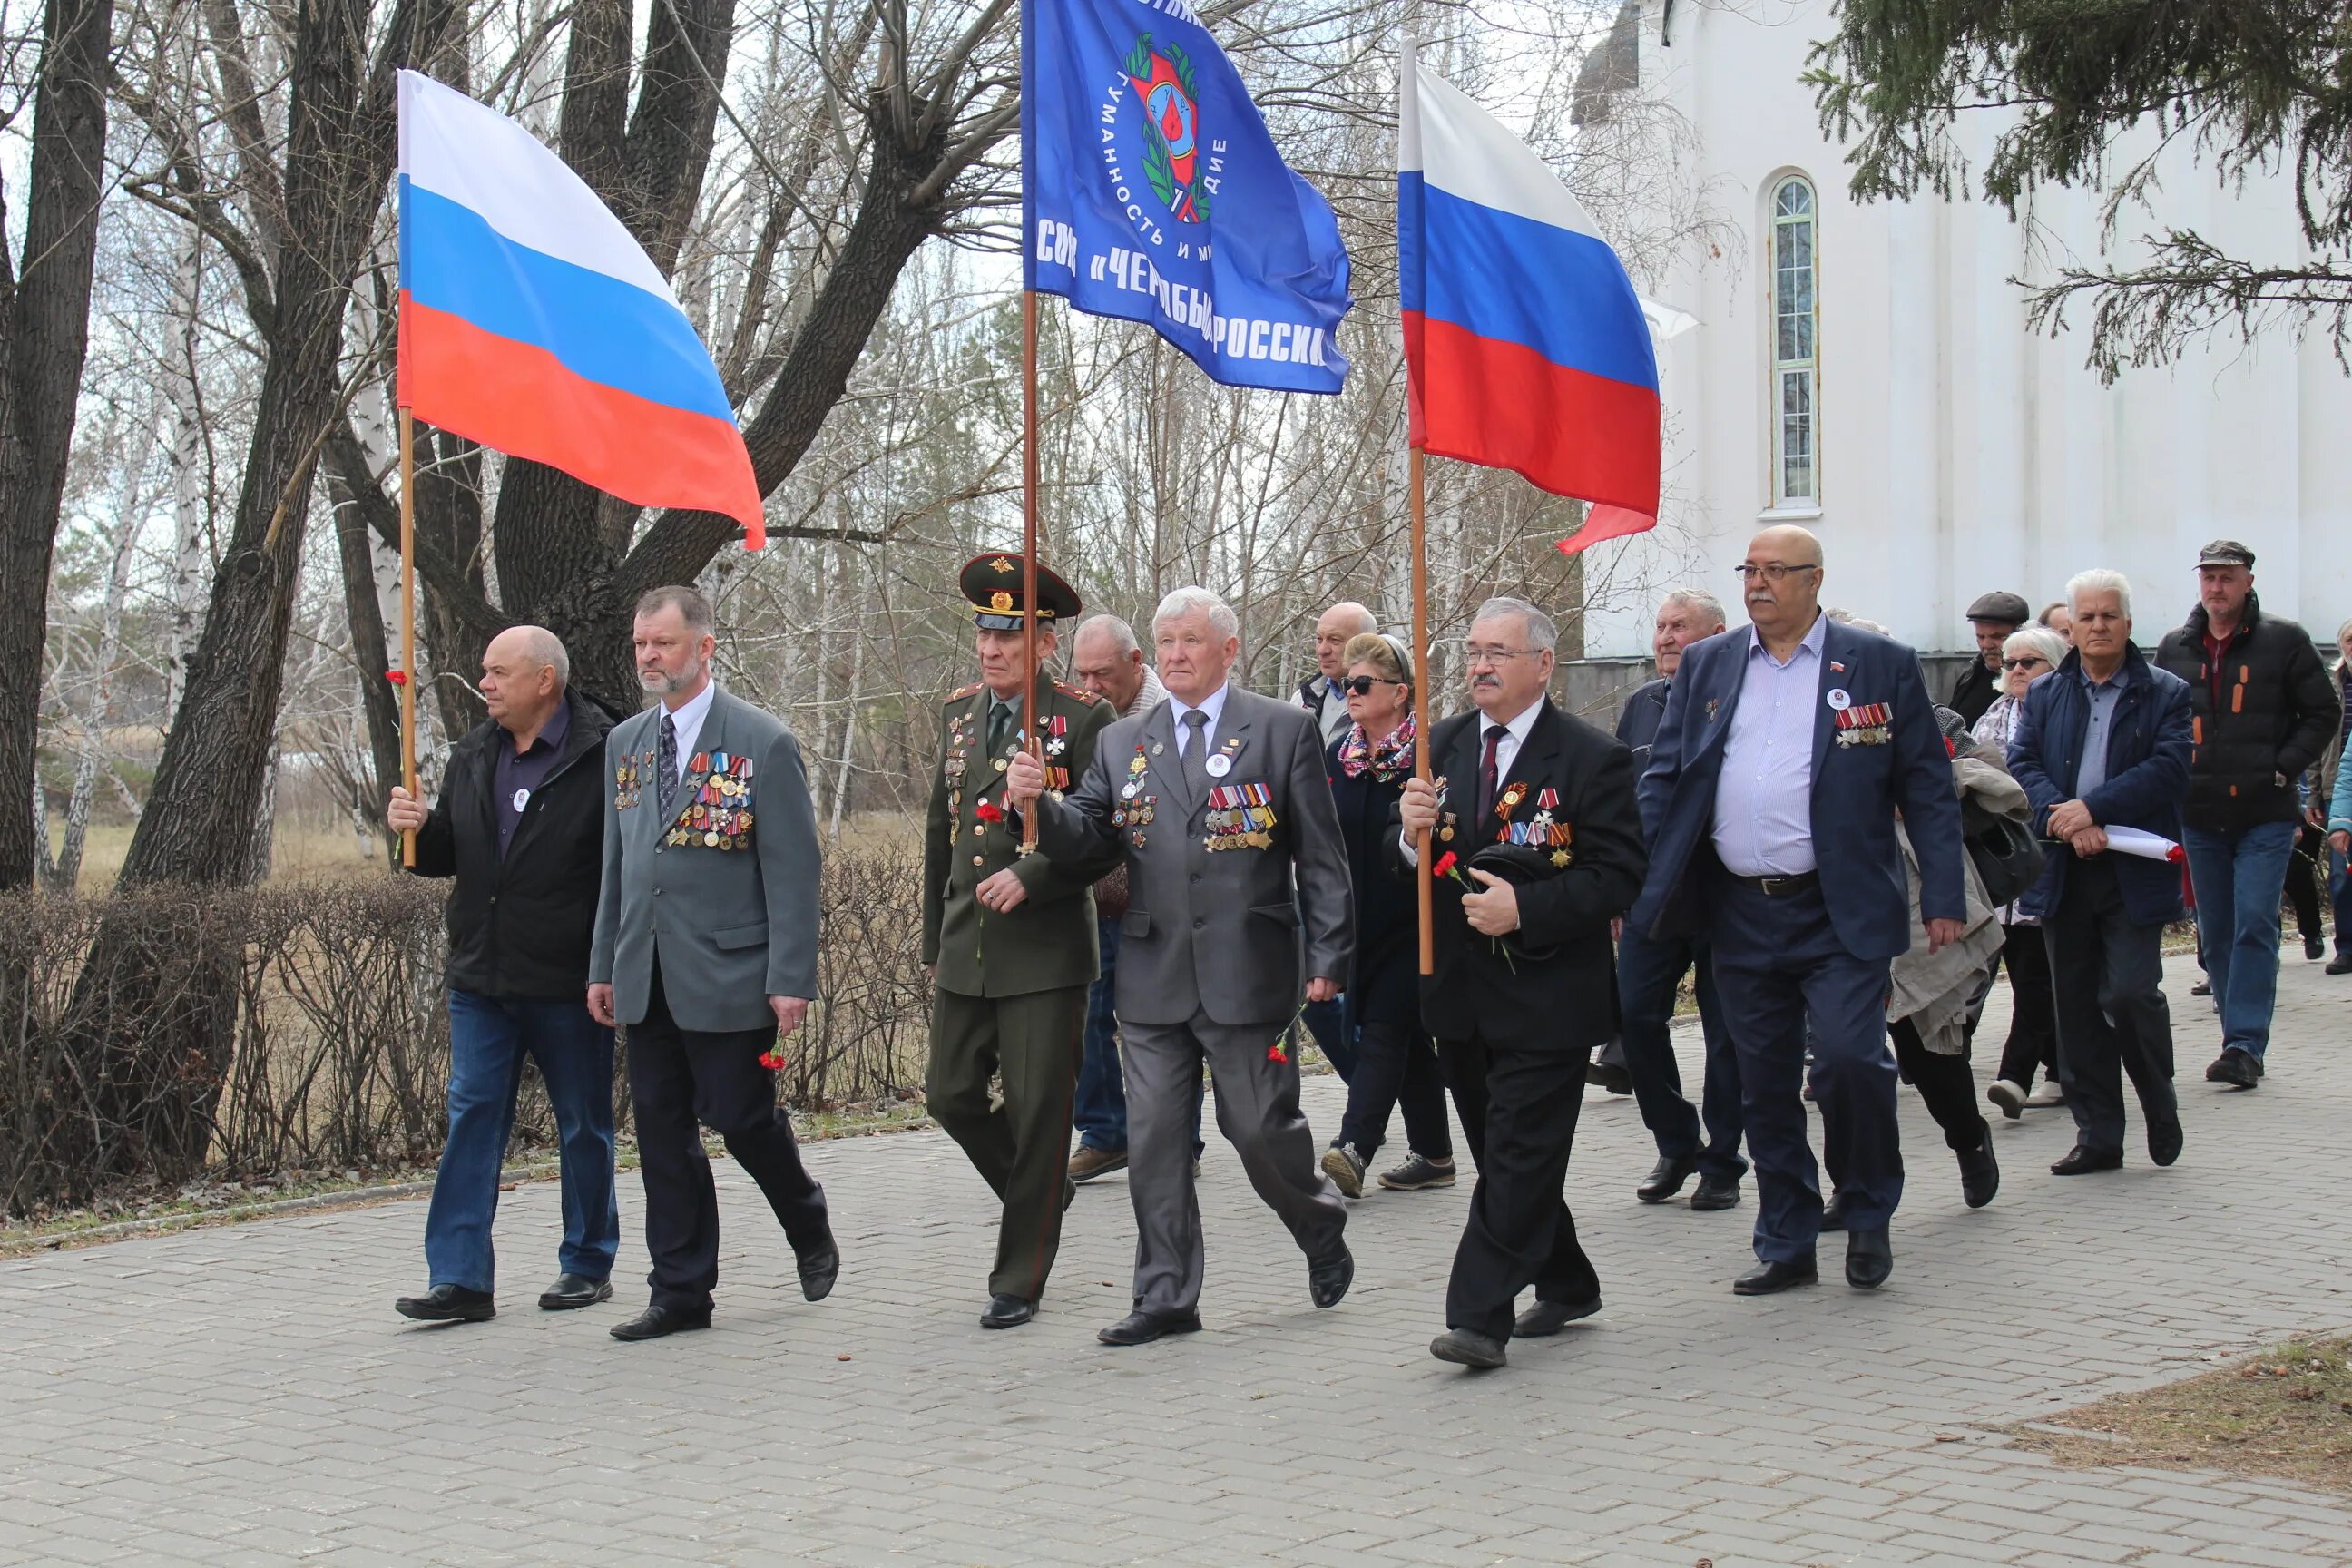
[2148, 775]
[1856, 792]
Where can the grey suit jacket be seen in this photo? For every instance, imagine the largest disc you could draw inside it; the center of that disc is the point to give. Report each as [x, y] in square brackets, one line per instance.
[1218, 932]
[735, 925]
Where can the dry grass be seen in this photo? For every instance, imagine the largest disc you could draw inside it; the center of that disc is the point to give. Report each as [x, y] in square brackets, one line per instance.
[2285, 1414]
[297, 850]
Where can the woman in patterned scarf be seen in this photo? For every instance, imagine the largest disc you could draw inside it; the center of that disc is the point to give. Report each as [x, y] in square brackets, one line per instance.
[1396, 1065]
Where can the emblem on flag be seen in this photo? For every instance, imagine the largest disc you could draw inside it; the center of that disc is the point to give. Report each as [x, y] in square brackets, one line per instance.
[1167, 85]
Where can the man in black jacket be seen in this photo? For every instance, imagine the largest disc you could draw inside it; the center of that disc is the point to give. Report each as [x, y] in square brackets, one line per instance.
[2264, 710]
[520, 826]
[1523, 958]
[1993, 617]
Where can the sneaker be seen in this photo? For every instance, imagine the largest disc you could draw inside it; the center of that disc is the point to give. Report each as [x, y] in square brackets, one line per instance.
[2340, 964]
[2202, 988]
[1346, 1169]
[1088, 1162]
[2051, 1093]
[2237, 1069]
[1417, 1172]
[2009, 1097]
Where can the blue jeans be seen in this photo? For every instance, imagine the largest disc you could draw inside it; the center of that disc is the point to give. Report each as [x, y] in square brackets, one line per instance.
[1100, 1110]
[488, 1038]
[2339, 898]
[2239, 878]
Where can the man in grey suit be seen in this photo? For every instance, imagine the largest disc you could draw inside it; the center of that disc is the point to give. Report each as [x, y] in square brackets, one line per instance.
[706, 948]
[1238, 890]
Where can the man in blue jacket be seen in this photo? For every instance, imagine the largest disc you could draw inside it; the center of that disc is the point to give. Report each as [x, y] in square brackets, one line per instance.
[2104, 742]
[1770, 805]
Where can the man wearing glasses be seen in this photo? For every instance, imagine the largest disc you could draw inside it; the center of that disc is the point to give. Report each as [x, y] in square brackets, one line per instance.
[1770, 803]
[1532, 824]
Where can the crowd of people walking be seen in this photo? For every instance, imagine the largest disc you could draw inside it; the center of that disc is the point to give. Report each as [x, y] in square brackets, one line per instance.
[1150, 875]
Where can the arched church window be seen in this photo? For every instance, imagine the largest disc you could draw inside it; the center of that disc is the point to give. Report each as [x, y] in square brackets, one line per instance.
[1795, 389]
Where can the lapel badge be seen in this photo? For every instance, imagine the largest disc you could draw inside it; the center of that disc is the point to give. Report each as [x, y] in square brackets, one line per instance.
[1837, 666]
[1839, 700]
[1218, 766]
[1712, 704]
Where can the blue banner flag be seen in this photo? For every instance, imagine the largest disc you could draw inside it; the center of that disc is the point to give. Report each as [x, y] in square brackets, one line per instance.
[1151, 191]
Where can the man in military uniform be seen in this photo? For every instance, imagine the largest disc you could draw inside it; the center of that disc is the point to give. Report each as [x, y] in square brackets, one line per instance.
[1008, 935]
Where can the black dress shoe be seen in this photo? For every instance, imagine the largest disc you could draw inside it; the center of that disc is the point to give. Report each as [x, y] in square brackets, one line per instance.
[2235, 1068]
[1468, 1347]
[1869, 1259]
[1715, 1193]
[658, 1321]
[447, 1304]
[1979, 1175]
[2164, 1139]
[571, 1291]
[1767, 1278]
[2340, 964]
[2314, 948]
[1007, 1313]
[1140, 1328]
[819, 1269]
[1327, 1282]
[1667, 1178]
[1548, 1318]
[1833, 1213]
[2081, 1161]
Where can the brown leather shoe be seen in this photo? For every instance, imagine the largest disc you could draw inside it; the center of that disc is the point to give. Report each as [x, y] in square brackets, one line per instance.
[1088, 1162]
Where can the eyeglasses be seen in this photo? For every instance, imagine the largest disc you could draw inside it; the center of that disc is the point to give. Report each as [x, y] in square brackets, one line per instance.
[1362, 685]
[1773, 572]
[1473, 654]
[2028, 662]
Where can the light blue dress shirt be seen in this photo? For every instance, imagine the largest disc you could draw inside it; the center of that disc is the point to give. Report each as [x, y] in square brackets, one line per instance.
[2105, 695]
[1214, 705]
[1764, 794]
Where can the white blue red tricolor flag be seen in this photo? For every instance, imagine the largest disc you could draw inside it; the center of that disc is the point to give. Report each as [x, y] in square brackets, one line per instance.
[1524, 345]
[531, 321]
[1152, 190]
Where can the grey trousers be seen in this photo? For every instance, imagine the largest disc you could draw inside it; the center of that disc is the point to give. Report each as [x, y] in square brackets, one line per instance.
[1257, 1110]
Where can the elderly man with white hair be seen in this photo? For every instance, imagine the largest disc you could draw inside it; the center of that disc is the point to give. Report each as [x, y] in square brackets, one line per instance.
[2104, 742]
[1238, 907]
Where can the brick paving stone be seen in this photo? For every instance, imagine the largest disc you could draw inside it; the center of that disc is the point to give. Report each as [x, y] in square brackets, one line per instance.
[246, 1394]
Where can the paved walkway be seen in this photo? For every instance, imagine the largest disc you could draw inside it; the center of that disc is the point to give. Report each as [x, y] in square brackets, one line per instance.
[246, 1394]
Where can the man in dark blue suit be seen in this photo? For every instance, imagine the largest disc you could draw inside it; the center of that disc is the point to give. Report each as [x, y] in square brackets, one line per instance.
[2104, 742]
[1769, 804]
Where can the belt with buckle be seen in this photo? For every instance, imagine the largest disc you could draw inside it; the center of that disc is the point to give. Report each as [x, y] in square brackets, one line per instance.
[1779, 887]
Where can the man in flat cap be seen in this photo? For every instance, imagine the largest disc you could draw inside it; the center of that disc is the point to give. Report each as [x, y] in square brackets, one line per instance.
[1009, 932]
[1994, 615]
[2263, 709]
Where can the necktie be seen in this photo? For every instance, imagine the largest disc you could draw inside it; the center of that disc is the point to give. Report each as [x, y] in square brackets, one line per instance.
[1487, 781]
[667, 766]
[1000, 719]
[1196, 753]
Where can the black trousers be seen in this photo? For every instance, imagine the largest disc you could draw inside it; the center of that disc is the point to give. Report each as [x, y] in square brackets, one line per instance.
[2111, 1017]
[1396, 1067]
[2306, 868]
[682, 1077]
[1518, 1105]
[2033, 1007]
[1945, 1083]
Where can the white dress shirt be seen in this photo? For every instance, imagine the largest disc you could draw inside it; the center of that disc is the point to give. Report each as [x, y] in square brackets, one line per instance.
[686, 720]
[1506, 751]
[1214, 705]
[1764, 792]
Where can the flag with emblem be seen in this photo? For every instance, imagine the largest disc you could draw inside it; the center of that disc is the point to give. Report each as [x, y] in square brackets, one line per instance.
[1152, 190]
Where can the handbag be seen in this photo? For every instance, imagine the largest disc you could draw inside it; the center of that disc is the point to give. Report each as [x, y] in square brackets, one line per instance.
[2007, 856]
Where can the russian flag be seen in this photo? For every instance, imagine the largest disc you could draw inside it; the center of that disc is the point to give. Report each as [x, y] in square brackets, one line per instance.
[531, 321]
[1524, 346]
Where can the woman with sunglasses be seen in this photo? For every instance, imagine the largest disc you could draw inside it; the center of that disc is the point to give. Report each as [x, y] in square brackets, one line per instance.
[1395, 1062]
[2025, 657]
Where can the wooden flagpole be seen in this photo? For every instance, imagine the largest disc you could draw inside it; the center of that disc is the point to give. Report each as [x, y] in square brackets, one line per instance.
[1031, 718]
[408, 624]
[1421, 883]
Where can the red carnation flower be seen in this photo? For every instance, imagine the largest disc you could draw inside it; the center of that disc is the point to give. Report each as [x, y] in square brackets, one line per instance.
[771, 1060]
[398, 677]
[989, 811]
[1445, 866]
[1275, 1053]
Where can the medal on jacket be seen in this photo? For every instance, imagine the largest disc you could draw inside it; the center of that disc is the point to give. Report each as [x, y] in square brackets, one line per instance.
[521, 799]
